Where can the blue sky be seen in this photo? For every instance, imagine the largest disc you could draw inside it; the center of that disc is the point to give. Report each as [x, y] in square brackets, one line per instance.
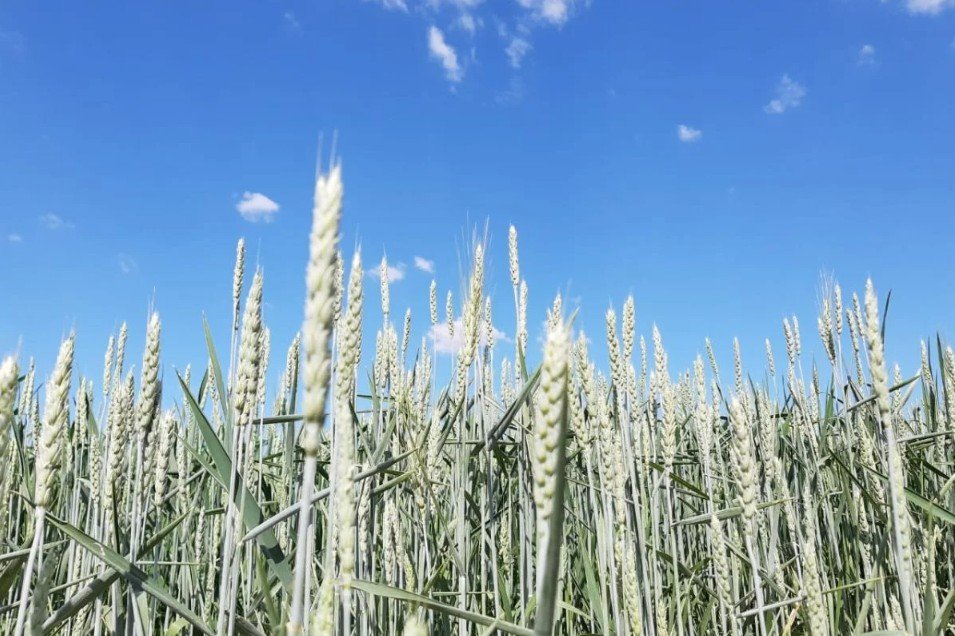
[712, 158]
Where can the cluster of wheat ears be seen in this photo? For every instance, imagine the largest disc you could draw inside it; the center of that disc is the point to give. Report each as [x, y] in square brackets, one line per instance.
[516, 499]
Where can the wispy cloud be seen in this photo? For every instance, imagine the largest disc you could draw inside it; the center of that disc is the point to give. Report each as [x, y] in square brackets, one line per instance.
[468, 22]
[866, 55]
[513, 94]
[424, 264]
[255, 206]
[14, 238]
[516, 50]
[291, 22]
[395, 272]
[460, 4]
[554, 12]
[54, 222]
[395, 5]
[463, 18]
[928, 7]
[127, 264]
[444, 53]
[789, 95]
[687, 134]
[445, 342]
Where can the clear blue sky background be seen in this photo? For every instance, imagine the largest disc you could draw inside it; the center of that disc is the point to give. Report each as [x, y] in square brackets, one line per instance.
[129, 132]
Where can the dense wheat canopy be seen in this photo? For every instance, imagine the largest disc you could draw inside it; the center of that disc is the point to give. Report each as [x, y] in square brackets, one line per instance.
[358, 495]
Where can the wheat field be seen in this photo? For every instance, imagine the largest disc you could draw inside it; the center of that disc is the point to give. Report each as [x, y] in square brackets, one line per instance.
[358, 495]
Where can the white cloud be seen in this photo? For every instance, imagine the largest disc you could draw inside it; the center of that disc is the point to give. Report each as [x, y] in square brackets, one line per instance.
[444, 342]
[460, 18]
[466, 17]
[789, 94]
[468, 22]
[688, 134]
[866, 55]
[395, 5]
[127, 265]
[460, 5]
[395, 272]
[554, 12]
[928, 7]
[54, 222]
[444, 53]
[291, 21]
[424, 264]
[516, 50]
[255, 206]
[14, 238]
